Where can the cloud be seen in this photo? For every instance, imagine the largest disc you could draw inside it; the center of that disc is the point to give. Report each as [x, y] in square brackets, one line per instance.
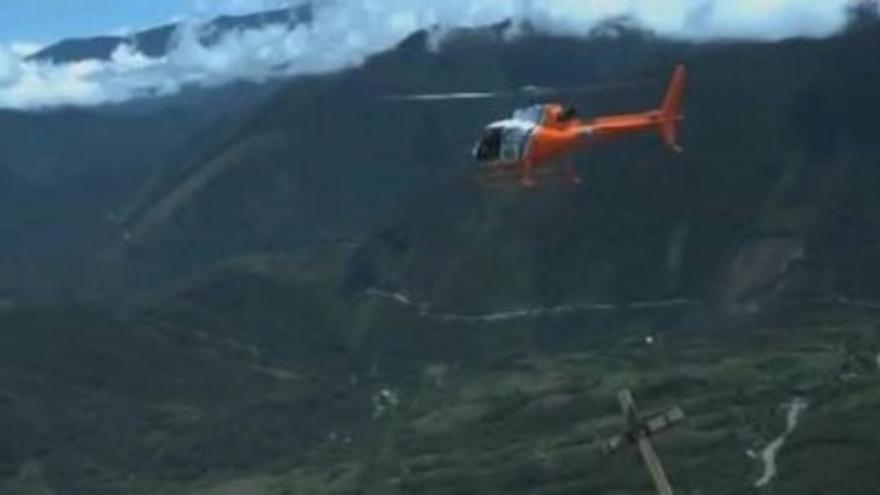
[25, 48]
[344, 33]
[28, 85]
[697, 19]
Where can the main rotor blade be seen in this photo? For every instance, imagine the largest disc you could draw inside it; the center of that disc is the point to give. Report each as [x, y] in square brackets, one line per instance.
[524, 91]
[587, 88]
[447, 96]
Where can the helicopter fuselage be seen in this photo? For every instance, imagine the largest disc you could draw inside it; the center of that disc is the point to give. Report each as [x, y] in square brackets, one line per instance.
[536, 134]
[540, 135]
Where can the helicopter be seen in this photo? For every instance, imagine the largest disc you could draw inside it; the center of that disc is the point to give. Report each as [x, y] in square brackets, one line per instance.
[538, 137]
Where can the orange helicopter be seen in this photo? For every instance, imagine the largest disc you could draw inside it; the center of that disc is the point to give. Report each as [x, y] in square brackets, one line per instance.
[537, 137]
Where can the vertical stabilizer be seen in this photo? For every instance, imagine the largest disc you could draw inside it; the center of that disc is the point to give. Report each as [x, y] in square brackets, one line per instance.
[671, 111]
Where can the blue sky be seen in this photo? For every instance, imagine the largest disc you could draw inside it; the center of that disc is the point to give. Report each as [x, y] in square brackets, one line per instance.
[45, 21]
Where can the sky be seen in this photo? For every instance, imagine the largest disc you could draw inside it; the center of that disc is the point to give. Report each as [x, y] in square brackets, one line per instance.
[44, 21]
[343, 34]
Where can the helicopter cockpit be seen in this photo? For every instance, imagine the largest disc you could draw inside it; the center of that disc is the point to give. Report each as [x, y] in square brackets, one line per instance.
[507, 141]
[504, 142]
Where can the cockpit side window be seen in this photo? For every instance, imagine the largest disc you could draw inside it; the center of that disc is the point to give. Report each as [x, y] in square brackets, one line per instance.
[533, 114]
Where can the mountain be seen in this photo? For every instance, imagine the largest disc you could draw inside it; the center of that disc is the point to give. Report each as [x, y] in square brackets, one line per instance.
[67, 173]
[157, 41]
[323, 159]
[327, 157]
[772, 193]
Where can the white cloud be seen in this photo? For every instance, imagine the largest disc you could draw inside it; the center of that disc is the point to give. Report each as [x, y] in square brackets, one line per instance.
[25, 48]
[345, 32]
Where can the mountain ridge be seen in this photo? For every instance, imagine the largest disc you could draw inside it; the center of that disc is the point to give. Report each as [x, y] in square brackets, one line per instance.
[157, 41]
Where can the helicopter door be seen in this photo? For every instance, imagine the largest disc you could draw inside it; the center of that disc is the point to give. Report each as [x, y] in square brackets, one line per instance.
[514, 142]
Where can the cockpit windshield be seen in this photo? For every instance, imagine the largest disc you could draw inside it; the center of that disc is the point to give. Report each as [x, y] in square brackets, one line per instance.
[489, 147]
[504, 141]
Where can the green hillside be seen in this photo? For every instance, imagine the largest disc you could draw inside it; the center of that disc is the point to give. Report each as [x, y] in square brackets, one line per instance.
[253, 380]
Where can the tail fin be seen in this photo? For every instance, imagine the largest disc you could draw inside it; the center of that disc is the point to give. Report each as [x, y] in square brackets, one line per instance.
[671, 111]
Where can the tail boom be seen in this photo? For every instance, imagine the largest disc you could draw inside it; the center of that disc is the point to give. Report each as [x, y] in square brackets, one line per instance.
[665, 120]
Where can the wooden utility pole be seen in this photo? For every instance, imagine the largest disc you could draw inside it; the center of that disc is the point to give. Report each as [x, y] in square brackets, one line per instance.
[640, 430]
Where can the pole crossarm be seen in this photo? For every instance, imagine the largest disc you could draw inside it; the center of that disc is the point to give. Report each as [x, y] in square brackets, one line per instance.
[639, 431]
